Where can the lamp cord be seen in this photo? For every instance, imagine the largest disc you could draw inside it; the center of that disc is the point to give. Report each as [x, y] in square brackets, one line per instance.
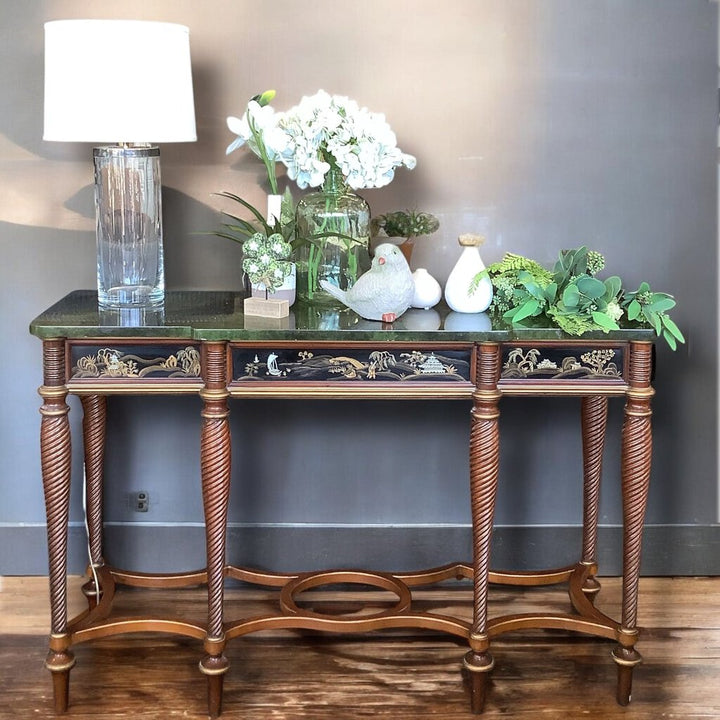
[87, 535]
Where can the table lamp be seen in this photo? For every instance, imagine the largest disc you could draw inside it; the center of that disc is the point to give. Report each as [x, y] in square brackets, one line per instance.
[126, 82]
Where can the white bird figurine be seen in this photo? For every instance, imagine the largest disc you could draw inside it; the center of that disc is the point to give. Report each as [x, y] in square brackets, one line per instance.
[384, 292]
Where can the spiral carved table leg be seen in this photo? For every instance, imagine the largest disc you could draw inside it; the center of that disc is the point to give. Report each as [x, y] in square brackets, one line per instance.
[594, 424]
[94, 424]
[484, 464]
[636, 456]
[215, 468]
[55, 461]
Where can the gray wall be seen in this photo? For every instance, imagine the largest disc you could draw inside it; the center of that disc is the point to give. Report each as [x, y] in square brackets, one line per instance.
[543, 124]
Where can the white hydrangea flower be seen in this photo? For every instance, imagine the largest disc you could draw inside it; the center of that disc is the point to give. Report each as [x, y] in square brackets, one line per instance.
[324, 129]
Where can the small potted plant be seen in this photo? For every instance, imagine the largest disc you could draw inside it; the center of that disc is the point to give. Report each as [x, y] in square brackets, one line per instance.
[266, 263]
[405, 224]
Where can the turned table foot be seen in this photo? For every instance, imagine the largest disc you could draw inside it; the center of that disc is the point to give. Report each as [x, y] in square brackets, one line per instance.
[214, 668]
[626, 659]
[479, 667]
[59, 663]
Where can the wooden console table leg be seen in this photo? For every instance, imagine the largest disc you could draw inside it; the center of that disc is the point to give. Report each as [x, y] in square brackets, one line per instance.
[94, 425]
[55, 454]
[484, 464]
[636, 456]
[594, 424]
[215, 468]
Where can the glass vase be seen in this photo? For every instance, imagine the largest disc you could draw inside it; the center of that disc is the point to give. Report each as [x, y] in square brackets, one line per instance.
[333, 231]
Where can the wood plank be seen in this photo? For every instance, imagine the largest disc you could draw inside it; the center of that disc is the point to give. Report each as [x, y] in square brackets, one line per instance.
[398, 675]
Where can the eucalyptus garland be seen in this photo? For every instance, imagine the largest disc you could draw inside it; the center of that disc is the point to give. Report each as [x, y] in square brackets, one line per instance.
[571, 297]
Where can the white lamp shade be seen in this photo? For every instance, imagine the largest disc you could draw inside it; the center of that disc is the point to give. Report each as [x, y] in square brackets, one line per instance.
[113, 81]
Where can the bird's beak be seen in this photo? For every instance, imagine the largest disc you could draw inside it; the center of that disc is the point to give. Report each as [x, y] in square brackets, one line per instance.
[381, 261]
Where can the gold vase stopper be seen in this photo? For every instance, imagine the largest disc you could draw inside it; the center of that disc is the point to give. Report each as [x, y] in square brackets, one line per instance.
[471, 240]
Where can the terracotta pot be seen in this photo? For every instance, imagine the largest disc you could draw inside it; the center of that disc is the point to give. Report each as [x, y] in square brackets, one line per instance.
[407, 248]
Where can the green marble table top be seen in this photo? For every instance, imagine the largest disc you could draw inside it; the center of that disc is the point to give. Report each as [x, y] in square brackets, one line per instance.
[218, 315]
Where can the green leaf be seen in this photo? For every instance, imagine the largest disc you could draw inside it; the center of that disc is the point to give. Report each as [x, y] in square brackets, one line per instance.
[661, 302]
[535, 290]
[672, 328]
[244, 203]
[580, 260]
[551, 292]
[613, 285]
[653, 318]
[605, 321]
[644, 287]
[571, 296]
[670, 340]
[591, 287]
[526, 310]
[634, 310]
[240, 225]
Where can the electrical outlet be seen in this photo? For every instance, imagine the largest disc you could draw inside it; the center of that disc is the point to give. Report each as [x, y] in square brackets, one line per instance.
[140, 501]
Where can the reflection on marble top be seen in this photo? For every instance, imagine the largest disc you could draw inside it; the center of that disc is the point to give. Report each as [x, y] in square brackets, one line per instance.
[218, 315]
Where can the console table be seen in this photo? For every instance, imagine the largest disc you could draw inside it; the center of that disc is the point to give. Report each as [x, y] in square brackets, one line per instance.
[200, 343]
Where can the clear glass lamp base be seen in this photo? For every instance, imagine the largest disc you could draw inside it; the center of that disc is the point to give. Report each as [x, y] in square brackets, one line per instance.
[130, 267]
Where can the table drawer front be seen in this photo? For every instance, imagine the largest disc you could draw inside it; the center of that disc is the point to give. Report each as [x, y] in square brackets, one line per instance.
[538, 362]
[354, 365]
[157, 362]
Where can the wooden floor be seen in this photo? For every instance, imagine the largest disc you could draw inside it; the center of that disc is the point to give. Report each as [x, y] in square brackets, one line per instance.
[398, 676]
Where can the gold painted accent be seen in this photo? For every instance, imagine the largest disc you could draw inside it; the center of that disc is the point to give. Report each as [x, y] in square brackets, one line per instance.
[420, 363]
[485, 416]
[217, 394]
[638, 413]
[475, 669]
[576, 388]
[215, 415]
[216, 671]
[595, 363]
[479, 636]
[625, 663]
[487, 394]
[60, 668]
[628, 634]
[48, 392]
[144, 387]
[214, 644]
[54, 413]
[640, 393]
[116, 363]
[59, 641]
[397, 392]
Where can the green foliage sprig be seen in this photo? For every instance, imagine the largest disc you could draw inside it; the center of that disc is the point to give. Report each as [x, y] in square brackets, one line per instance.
[405, 223]
[573, 298]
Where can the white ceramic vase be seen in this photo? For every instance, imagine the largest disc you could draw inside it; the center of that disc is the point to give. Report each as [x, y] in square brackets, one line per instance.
[427, 290]
[460, 294]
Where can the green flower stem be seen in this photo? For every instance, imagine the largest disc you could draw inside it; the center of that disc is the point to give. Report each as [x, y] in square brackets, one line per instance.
[352, 261]
[269, 164]
[314, 255]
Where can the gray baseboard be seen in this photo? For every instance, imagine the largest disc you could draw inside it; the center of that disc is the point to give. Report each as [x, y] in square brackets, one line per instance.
[669, 550]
